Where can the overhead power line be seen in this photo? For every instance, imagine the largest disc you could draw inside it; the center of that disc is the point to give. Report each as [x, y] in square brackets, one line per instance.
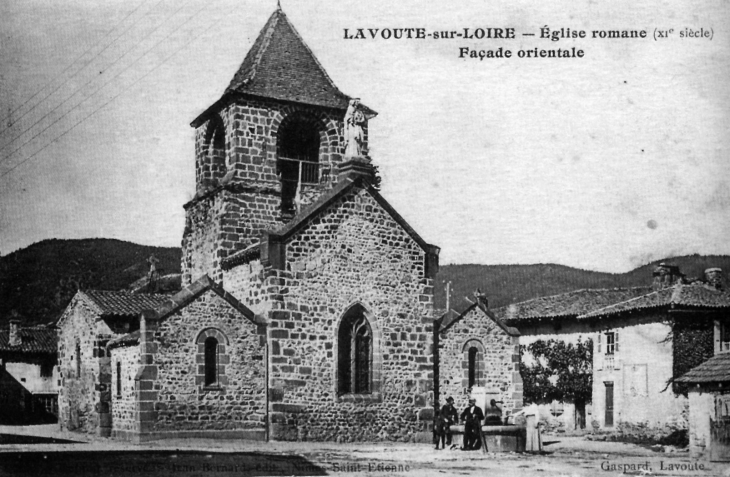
[93, 78]
[113, 98]
[10, 114]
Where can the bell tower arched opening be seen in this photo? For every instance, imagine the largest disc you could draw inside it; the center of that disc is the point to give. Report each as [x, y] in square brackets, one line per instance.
[297, 161]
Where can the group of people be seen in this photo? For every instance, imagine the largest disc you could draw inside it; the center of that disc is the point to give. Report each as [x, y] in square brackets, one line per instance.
[472, 418]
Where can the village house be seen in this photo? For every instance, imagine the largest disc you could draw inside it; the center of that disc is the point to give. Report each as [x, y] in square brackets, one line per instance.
[307, 304]
[643, 341]
[708, 387]
[28, 377]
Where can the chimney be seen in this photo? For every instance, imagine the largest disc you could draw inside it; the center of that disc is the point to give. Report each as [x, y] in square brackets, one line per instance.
[14, 338]
[713, 277]
[666, 275]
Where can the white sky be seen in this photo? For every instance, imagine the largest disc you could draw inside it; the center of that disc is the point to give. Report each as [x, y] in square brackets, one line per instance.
[604, 162]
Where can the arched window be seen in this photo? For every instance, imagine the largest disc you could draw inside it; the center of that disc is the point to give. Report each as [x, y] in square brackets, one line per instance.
[473, 364]
[211, 361]
[355, 353]
[78, 359]
[119, 379]
[298, 156]
[215, 144]
[212, 358]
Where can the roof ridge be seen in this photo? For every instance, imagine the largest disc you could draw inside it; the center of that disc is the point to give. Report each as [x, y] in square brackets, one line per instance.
[579, 290]
[264, 44]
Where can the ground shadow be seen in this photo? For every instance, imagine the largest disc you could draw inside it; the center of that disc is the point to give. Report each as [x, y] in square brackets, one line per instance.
[547, 443]
[19, 439]
[157, 463]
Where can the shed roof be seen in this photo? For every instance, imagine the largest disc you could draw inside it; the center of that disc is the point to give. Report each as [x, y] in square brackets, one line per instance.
[714, 370]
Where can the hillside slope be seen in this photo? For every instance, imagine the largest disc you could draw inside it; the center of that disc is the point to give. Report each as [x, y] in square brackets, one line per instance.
[37, 282]
[505, 284]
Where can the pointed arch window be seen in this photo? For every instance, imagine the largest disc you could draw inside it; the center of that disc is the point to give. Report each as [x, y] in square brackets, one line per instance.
[473, 351]
[355, 354]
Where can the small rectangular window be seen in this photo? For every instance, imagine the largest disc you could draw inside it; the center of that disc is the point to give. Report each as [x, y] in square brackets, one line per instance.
[46, 370]
[724, 336]
[610, 343]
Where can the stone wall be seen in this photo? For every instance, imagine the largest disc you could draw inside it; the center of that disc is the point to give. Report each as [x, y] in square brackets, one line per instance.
[246, 283]
[183, 402]
[354, 253]
[498, 363]
[227, 216]
[124, 403]
[80, 394]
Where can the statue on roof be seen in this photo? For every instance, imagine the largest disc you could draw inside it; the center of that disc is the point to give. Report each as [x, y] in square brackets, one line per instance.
[355, 122]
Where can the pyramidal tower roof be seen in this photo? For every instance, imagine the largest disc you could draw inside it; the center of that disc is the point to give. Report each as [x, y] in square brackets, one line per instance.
[281, 66]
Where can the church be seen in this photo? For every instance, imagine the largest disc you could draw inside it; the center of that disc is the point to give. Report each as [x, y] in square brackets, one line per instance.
[306, 310]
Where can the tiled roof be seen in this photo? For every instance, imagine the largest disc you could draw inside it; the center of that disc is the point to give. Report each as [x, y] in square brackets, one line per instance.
[714, 370]
[117, 303]
[572, 303]
[689, 295]
[450, 317]
[281, 66]
[38, 339]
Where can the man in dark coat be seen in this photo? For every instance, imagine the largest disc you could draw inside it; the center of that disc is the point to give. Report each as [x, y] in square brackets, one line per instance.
[451, 418]
[472, 417]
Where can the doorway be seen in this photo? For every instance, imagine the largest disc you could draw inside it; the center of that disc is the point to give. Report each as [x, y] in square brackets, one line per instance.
[609, 404]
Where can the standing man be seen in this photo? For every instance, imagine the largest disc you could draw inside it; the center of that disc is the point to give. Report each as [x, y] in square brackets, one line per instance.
[450, 416]
[472, 417]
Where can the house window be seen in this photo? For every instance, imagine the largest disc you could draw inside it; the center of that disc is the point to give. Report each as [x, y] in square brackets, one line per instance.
[611, 342]
[46, 369]
[355, 353]
[297, 157]
[211, 361]
[119, 379]
[725, 336]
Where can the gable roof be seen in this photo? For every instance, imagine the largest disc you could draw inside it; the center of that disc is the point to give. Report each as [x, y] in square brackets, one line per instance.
[33, 340]
[190, 293]
[448, 319]
[340, 189]
[570, 304]
[120, 303]
[281, 66]
[714, 370]
[695, 295]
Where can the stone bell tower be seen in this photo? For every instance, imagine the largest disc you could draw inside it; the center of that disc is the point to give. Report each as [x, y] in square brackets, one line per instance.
[269, 146]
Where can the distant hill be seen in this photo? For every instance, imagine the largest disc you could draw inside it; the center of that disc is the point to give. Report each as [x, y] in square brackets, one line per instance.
[37, 282]
[505, 284]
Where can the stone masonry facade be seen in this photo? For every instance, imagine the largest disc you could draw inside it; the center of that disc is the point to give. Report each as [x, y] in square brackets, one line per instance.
[353, 253]
[497, 362]
[84, 368]
[237, 202]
